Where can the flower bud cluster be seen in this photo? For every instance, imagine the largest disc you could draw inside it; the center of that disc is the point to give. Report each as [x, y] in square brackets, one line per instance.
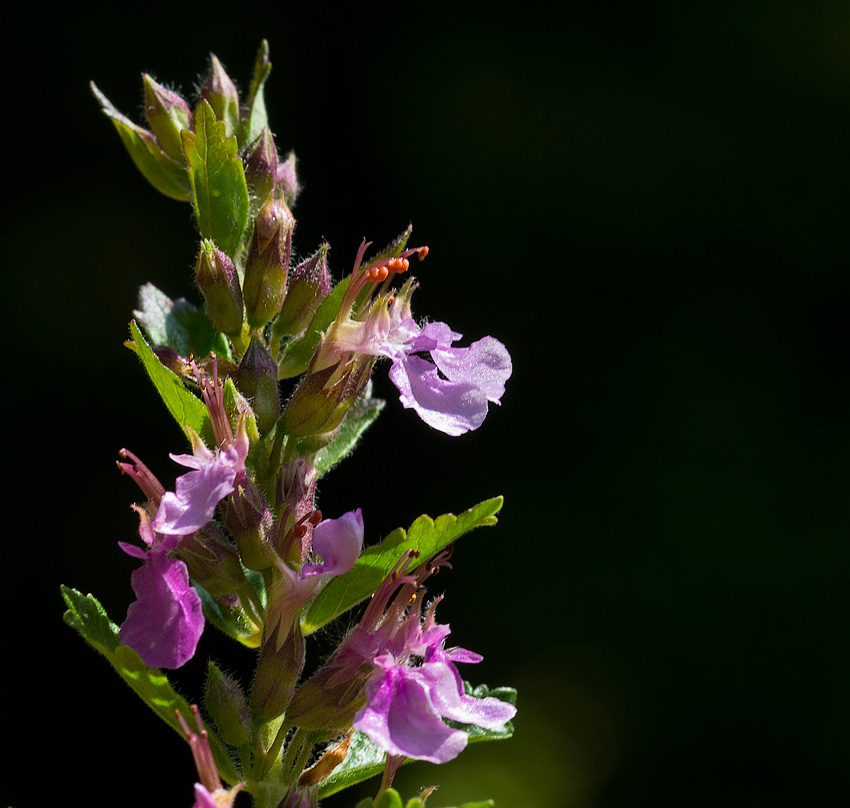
[237, 541]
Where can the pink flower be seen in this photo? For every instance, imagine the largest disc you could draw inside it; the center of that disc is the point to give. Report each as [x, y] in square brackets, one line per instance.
[198, 492]
[165, 621]
[415, 684]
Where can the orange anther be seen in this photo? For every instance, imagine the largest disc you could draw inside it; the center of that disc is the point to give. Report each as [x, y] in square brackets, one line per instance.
[421, 253]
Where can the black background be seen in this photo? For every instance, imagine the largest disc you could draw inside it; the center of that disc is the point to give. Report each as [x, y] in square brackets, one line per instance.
[647, 203]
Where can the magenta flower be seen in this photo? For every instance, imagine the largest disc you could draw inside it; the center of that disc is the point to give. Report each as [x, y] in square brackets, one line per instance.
[406, 705]
[452, 390]
[336, 544]
[193, 502]
[415, 684]
[165, 621]
[452, 393]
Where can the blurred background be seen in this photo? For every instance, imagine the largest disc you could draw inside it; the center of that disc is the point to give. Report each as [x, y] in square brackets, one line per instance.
[646, 202]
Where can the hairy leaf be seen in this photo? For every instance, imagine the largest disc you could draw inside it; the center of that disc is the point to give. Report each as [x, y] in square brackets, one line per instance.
[188, 410]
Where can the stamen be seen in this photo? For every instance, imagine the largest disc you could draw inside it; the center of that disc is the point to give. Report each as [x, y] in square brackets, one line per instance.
[421, 253]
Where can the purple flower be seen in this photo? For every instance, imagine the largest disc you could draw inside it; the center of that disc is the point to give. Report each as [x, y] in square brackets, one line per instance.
[198, 492]
[165, 621]
[415, 684]
[452, 394]
[338, 543]
[452, 389]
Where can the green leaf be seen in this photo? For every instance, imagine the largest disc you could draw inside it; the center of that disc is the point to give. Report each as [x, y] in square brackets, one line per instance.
[256, 118]
[298, 352]
[89, 618]
[178, 324]
[233, 622]
[359, 418]
[426, 535]
[219, 190]
[365, 760]
[166, 175]
[187, 409]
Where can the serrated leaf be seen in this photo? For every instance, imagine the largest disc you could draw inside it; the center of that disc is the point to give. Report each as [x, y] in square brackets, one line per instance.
[168, 176]
[365, 760]
[355, 423]
[426, 535]
[178, 324]
[187, 409]
[89, 618]
[219, 190]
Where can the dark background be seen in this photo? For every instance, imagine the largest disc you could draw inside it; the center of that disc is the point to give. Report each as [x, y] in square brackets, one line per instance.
[647, 203]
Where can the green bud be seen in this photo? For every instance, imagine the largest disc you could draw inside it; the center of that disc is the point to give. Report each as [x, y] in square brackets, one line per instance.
[261, 168]
[168, 114]
[322, 399]
[226, 703]
[267, 266]
[325, 703]
[166, 174]
[278, 670]
[213, 561]
[309, 284]
[250, 523]
[218, 280]
[221, 94]
[257, 380]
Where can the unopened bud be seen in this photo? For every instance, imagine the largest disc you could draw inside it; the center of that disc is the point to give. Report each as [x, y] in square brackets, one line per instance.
[278, 670]
[218, 281]
[330, 698]
[213, 561]
[226, 703]
[261, 169]
[257, 381]
[323, 398]
[267, 266]
[250, 523]
[221, 94]
[168, 114]
[309, 284]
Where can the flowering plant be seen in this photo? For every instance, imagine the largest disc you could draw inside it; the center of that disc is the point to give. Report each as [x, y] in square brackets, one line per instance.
[238, 543]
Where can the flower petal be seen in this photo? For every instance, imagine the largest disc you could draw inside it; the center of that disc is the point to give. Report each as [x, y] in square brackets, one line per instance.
[400, 718]
[165, 623]
[486, 364]
[338, 542]
[445, 689]
[194, 501]
[453, 407]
